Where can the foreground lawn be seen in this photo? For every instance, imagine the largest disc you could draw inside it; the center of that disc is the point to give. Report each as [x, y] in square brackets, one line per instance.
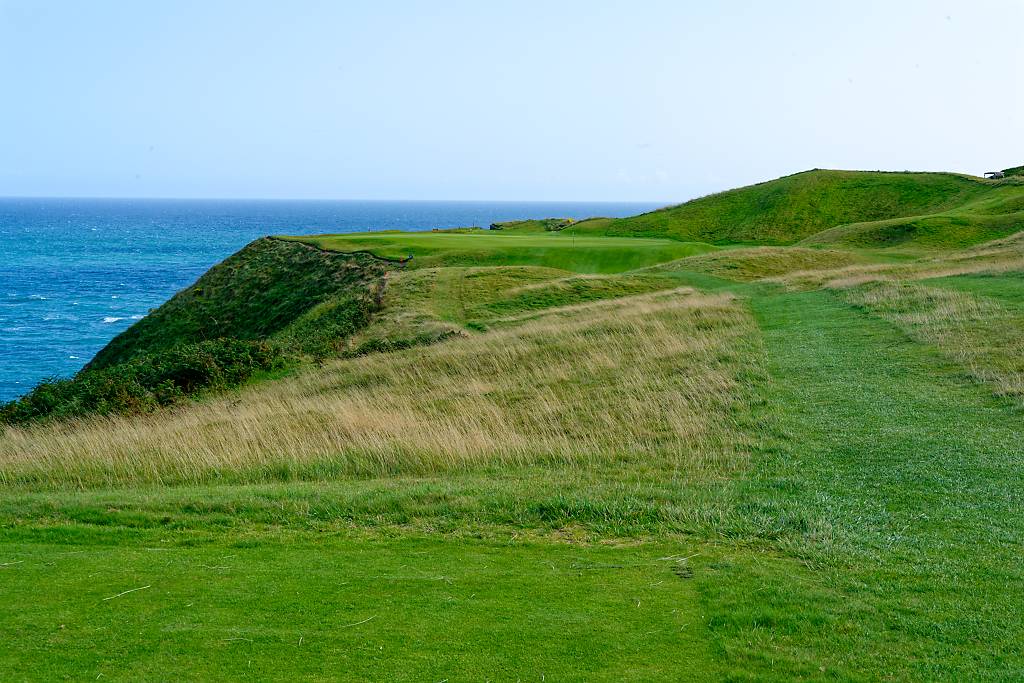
[282, 607]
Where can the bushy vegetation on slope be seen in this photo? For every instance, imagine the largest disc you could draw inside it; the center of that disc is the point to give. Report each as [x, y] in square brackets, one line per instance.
[534, 225]
[268, 306]
[1015, 171]
[147, 382]
[253, 295]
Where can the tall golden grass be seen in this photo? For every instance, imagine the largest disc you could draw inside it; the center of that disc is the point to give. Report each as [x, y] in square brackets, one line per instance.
[999, 256]
[654, 379]
[980, 334]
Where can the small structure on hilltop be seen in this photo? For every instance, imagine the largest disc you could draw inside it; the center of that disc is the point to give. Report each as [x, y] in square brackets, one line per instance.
[995, 175]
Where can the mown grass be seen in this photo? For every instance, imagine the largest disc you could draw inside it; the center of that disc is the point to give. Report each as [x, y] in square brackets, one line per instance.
[398, 610]
[495, 248]
[976, 332]
[907, 474]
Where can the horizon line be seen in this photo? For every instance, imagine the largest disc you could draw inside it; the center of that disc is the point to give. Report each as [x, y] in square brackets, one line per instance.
[347, 199]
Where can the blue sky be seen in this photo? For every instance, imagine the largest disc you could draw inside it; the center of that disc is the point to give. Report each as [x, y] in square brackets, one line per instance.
[587, 100]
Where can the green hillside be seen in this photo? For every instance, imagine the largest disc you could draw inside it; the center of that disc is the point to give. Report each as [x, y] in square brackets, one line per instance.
[792, 208]
[270, 306]
[997, 212]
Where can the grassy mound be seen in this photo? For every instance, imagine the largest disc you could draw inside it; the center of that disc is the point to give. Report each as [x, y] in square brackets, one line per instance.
[255, 294]
[998, 212]
[1015, 171]
[789, 209]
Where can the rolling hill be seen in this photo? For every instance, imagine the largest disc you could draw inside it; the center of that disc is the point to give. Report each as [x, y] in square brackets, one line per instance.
[798, 207]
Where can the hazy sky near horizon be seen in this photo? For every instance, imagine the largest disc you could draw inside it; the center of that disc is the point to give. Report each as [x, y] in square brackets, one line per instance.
[585, 100]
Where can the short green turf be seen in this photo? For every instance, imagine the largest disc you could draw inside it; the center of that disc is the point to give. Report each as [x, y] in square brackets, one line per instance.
[552, 250]
[311, 607]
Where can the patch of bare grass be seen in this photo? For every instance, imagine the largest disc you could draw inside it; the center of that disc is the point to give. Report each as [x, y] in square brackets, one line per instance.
[1000, 256]
[978, 333]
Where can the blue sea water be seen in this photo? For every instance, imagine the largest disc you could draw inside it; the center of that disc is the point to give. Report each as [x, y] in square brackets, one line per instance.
[76, 272]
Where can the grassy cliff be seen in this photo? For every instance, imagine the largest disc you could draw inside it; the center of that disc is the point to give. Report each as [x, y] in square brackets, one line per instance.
[256, 294]
[267, 307]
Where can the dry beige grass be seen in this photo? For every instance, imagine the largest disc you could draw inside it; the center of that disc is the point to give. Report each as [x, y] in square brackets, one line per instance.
[756, 263]
[983, 336]
[651, 379]
[1000, 256]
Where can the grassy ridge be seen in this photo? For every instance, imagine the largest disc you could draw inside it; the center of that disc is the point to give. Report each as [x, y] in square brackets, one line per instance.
[997, 213]
[269, 306]
[757, 263]
[792, 208]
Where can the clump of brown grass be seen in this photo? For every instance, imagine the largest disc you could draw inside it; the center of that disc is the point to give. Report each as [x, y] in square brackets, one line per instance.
[655, 379]
[1000, 256]
[983, 336]
[756, 263]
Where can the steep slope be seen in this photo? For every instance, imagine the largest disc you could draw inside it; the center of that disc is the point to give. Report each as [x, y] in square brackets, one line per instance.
[254, 294]
[791, 208]
[997, 212]
[267, 307]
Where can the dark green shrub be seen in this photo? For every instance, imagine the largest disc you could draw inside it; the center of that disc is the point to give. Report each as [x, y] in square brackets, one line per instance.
[323, 331]
[146, 382]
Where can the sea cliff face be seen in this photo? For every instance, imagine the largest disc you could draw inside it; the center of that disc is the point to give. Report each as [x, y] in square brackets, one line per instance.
[255, 294]
[272, 305]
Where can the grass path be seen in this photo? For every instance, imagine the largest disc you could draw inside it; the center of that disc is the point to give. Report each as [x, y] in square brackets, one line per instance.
[900, 487]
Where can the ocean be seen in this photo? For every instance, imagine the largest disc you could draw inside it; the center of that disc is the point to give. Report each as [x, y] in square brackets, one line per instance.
[76, 272]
